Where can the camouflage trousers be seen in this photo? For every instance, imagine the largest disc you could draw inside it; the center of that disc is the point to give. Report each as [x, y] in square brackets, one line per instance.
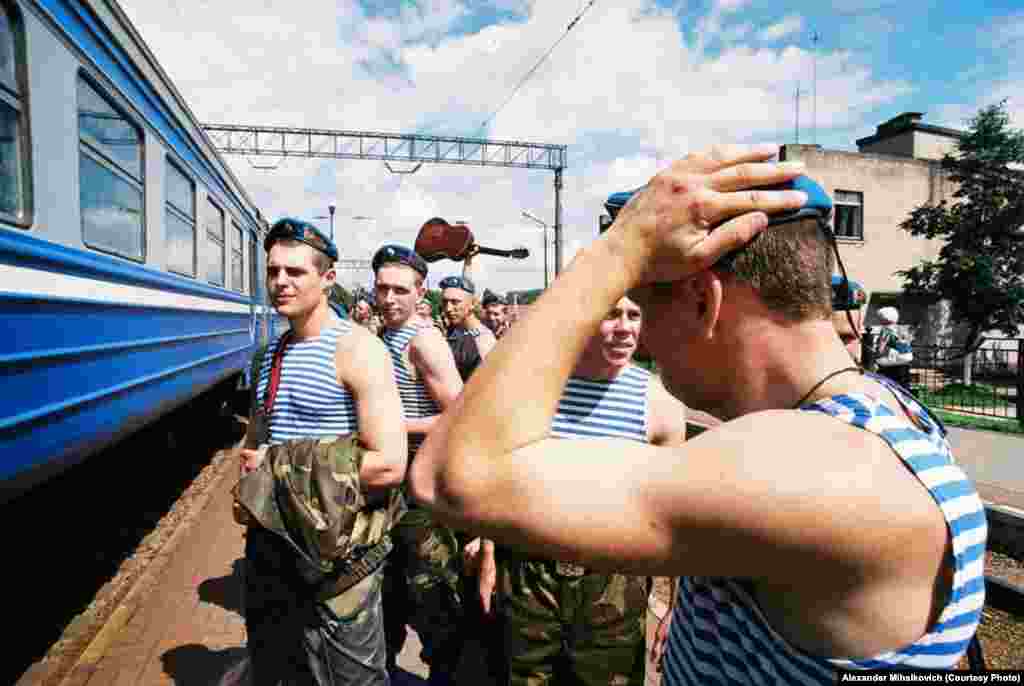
[587, 630]
[294, 639]
[422, 577]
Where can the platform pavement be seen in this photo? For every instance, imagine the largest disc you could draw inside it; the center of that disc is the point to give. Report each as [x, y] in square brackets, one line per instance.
[185, 626]
[995, 462]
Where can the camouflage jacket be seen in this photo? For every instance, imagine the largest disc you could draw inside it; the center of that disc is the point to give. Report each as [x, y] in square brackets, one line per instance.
[308, 491]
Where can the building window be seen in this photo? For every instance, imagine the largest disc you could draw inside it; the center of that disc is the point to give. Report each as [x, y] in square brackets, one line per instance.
[110, 176]
[15, 170]
[180, 222]
[849, 211]
[237, 259]
[215, 243]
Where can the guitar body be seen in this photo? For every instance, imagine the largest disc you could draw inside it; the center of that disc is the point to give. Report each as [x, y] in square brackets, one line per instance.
[439, 240]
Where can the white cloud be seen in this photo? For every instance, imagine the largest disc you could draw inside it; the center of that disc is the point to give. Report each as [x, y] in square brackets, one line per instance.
[625, 91]
[1008, 32]
[726, 6]
[787, 27]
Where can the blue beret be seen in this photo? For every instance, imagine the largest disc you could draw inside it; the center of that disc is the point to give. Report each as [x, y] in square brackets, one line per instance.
[298, 230]
[818, 205]
[458, 282]
[844, 298]
[400, 255]
[491, 298]
[616, 201]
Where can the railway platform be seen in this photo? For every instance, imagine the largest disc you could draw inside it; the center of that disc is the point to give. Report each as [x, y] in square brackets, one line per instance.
[182, 621]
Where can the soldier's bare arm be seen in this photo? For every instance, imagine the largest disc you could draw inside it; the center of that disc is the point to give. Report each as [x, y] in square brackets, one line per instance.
[667, 428]
[432, 358]
[364, 367]
[667, 416]
[485, 342]
[493, 442]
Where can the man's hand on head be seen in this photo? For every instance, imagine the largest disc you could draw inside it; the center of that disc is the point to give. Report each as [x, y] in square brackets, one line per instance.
[699, 209]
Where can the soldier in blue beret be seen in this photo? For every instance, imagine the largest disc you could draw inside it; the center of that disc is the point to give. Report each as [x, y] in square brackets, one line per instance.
[423, 575]
[334, 379]
[823, 526]
[848, 297]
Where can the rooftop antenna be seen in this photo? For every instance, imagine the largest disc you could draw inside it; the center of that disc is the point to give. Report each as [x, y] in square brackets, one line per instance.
[814, 103]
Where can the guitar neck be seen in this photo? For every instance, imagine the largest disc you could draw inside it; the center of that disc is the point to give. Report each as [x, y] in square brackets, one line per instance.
[518, 253]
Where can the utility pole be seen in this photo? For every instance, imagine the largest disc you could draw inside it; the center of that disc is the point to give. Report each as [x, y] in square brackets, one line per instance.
[814, 103]
[544, 226]
[558, 221]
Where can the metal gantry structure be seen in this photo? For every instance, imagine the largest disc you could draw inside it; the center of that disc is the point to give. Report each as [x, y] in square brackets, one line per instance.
[280, 141]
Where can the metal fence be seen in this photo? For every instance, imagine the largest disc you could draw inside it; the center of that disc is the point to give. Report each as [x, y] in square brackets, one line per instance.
[988, 382]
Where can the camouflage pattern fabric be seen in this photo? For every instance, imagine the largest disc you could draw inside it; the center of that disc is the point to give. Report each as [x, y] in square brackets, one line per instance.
[314, 552]
[294, 639]
[560, 629]
[423, 588]
[309, 492]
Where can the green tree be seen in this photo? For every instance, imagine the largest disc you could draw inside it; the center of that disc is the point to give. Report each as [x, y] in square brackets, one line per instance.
[525, 297]
[341, 295]
[434, 298]
[980, 268]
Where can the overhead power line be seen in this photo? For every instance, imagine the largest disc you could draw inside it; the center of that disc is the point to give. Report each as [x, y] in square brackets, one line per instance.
[530, 73]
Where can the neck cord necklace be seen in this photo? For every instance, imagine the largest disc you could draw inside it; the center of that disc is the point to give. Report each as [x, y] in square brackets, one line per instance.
[820, 383]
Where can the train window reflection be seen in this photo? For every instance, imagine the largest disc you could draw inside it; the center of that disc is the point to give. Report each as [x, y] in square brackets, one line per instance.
[181, 192]
[108, 131]
[15, 165]
[179, 222]
[8, 52]
[215, 243]
[10, 160]
[110, 176]
[111, 210]
[181, 244]
[254, 268]
[237, 265]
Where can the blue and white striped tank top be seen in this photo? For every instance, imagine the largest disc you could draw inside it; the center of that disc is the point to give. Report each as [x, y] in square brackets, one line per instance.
[416, 399]
[720, 636]
[604, 409]
[309, 401]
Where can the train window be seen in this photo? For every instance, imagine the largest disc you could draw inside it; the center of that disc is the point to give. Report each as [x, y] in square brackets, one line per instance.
[15, 176]
[237, 259]
[215, 243]
[8, 51]
[180, 222]
[254, 267]
[110, 176]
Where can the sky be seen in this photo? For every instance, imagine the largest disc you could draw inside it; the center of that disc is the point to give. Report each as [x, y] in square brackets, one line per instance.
[634, 85]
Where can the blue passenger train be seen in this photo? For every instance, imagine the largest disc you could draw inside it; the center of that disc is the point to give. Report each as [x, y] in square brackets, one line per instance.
[130, 257]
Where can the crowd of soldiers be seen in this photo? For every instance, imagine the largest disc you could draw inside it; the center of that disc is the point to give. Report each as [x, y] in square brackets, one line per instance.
[537, 497]
[494, 311]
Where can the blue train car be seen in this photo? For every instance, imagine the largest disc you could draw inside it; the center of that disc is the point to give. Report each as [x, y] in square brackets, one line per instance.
[130, 257]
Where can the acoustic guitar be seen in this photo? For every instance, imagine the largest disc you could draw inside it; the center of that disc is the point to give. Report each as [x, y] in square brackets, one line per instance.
[439, 240]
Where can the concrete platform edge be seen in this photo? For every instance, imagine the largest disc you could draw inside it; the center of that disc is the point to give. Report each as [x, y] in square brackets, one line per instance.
[97, 647]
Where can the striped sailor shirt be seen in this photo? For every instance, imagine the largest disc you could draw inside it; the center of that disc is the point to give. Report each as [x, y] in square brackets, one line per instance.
[310, 403]
[416, 399]
[616, 408]
[720, 636]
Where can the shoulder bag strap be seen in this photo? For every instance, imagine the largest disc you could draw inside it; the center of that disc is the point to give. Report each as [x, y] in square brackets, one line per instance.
[275, 372]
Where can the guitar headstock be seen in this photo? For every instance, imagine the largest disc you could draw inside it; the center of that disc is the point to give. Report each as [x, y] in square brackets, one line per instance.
[519, 253]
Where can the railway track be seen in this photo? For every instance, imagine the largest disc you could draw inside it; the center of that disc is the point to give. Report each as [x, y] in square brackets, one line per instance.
[1003, 595]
